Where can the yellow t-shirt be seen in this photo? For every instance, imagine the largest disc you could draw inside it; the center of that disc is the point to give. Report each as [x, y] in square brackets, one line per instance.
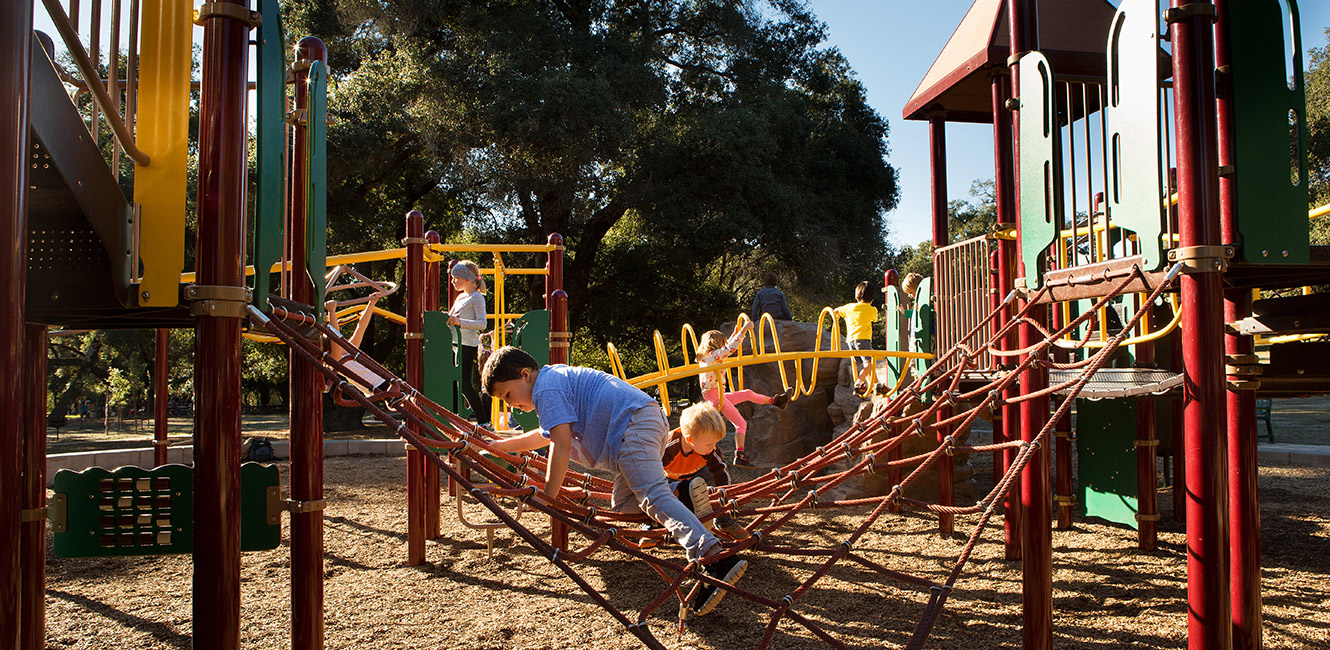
[859, 317]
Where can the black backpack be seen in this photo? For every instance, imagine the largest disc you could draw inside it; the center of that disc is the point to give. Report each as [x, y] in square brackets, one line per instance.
[257, 449]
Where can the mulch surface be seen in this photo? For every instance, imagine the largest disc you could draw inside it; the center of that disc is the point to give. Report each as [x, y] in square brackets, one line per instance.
[1107, 593]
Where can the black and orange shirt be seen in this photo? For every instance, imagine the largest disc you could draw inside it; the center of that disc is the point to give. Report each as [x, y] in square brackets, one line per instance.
[679, 463]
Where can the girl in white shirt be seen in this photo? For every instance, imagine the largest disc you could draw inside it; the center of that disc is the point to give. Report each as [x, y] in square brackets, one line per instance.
[468, 313]
[712, 350]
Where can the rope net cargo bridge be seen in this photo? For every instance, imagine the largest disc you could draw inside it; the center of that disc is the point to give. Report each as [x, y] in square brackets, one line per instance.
[768, 503]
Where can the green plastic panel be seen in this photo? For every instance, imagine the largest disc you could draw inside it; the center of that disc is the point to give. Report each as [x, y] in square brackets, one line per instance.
[316, 192]
[1136, 177]
[921, 332]
[270, 201]
[1270, 132]
[136, 511]
[1040, 165]
[441, 373]
[896, 323]
[1106, 460]
[534, 338]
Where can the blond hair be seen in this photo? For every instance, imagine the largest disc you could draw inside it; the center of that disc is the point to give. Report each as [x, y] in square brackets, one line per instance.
[712, 340]
[702, 420]
[480, 279]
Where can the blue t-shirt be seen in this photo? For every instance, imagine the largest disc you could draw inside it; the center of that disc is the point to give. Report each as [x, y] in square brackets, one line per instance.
[597, 405]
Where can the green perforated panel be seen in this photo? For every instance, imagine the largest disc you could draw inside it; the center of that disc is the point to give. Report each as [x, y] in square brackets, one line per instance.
[441, 373]
[136, 511]
[1040, 165]
[896, 326]
[921, 332]
[1270, 131]
[269, 203]
[1136, 180]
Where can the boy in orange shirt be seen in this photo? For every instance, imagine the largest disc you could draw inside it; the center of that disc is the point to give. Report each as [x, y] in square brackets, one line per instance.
[691, 459]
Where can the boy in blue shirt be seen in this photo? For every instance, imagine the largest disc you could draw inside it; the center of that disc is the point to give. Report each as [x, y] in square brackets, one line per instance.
[602, 422]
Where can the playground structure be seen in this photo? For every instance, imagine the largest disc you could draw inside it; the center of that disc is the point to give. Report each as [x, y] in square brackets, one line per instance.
[1007, 339]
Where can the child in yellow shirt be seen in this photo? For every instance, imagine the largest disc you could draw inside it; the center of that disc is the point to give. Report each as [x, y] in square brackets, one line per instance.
[859, 316]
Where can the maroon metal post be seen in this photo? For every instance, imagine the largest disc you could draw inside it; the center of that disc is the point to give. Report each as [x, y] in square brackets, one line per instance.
[432, 497]
[1037, 546]
[1244, 515]
[1179, 435]
[32, 617]
[558, 301]
[1007, 415]
[1209, 621]
[161, 364]
[937, 164]
[416, 502]
[1147, 496]
[221, 273]
[15, 67]
[553, 269]
[306, 393]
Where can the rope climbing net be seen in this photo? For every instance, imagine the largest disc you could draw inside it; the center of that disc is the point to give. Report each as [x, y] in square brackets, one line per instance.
[767, 503]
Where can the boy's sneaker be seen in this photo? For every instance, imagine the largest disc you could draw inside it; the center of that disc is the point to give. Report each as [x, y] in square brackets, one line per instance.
[696, 496]
[741, 459]
[779, 401]
[645, 543]
[708, 596]
[729, 529]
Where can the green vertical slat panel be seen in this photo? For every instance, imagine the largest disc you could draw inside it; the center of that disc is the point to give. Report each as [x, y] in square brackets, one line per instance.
[1040, 165]
[897, 337]
[128, 511]
[316, 193]
[534, 339]
[269, 204]
[259, 529]
[1106, 460]
[1270, 152]
[1136, 192]
[441, 373]
[921, 334]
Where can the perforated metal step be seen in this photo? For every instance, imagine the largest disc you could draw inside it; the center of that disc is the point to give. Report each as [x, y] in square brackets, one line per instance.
[1114, 383]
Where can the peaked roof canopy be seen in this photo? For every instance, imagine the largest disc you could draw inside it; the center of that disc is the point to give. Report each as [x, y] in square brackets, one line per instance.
[1072, 35]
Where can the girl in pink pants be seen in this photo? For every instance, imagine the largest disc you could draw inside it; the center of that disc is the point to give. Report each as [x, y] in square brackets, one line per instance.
[712, 350]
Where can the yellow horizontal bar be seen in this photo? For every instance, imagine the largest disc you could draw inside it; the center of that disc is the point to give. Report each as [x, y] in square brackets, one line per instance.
[370, 256]
[494, 248]
[1319, 212]
[694, 369]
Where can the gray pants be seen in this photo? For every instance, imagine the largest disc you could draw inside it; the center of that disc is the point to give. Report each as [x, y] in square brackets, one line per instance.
[640, 485]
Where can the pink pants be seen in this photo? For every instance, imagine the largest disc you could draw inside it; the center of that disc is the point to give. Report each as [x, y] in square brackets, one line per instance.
[731, 413]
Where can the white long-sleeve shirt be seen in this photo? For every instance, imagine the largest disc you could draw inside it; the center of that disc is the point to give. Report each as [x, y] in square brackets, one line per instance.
[469, 308]
[711, 380]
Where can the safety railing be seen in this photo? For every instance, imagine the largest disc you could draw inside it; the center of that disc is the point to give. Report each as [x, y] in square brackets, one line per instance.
[963, 286]
[754, 354]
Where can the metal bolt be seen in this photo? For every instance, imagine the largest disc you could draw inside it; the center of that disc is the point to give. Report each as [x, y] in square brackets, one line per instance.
[1265, 253]
[1285, 253]
[146, 295]
[1301, 371]
[1218, 264]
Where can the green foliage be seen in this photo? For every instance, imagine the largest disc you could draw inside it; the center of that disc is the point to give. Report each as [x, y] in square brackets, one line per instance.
[680, 148]
[1317, 79]
[965, 220]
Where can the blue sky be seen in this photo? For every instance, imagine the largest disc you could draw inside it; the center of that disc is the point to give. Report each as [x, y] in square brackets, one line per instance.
[891, 44]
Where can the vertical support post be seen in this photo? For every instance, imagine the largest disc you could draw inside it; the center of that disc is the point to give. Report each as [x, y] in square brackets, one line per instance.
[433, 499]
[32, 617]
[416, 502]
[15, 67]
[1209, 620]
[220, 263]
[556, 301]
[937, 164]
[306, 388]
[161, 415]
[1006, 417]
[1061, 442]
[1244, 512]
[1037, 546]
[1147, 511]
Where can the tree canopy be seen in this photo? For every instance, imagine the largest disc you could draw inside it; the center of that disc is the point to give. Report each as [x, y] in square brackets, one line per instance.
[680, 147]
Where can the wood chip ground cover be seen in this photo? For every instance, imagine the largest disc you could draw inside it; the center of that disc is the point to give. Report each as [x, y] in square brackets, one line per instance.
[1107, 594]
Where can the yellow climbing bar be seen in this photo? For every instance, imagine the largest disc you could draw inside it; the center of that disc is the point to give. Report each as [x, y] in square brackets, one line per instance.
[163, 134]
[379, 256]
[1319, 212]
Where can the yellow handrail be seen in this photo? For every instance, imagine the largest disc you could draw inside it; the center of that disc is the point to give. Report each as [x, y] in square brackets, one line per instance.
[1319, 212]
